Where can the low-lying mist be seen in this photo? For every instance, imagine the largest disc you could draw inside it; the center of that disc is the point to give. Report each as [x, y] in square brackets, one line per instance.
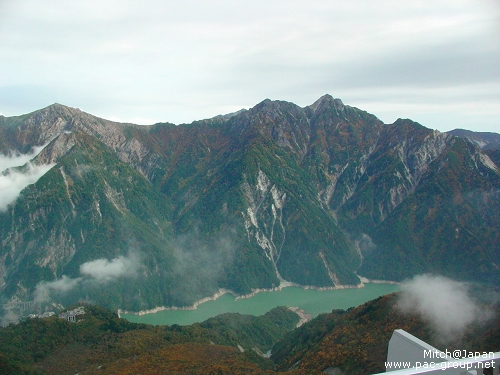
[93, 273]
[447, 305]
[200, 261]
[14, 179]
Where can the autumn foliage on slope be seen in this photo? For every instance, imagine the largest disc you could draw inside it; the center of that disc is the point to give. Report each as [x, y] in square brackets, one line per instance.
[356, 341]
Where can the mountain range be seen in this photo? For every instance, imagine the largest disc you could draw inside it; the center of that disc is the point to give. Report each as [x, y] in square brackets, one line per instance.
[136, 217]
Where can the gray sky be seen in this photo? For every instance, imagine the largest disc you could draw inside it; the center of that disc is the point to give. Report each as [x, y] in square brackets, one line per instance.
[144, 61]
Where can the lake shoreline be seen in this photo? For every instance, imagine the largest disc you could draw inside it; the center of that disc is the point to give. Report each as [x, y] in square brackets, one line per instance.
[303, 316]
[222, 291]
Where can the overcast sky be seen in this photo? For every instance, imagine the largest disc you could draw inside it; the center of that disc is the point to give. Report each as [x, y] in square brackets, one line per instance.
[144, 61]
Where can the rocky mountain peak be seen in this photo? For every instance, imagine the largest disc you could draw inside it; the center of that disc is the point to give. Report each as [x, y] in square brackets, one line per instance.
[327, 101]
[56, 110]
[269, 107]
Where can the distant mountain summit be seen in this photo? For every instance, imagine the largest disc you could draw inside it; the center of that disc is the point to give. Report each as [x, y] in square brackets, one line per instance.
[136, 217]
[484, 140]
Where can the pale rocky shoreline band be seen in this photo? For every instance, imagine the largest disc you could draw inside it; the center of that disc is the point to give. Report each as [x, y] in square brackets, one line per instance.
[221, 292]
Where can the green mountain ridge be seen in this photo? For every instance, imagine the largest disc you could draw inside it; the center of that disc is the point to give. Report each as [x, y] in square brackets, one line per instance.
[136, 217]
[99, 341]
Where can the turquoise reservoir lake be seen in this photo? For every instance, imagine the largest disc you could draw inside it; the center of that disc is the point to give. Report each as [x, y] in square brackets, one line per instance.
[313, 301]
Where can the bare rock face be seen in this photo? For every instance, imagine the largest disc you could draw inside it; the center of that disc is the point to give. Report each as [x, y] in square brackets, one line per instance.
[56, 148]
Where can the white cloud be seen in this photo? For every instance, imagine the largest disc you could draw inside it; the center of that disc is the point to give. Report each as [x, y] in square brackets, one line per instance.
[93, 273]
[13, 181]
[183, 61]
[103, 270]
[446, 304]
[15, 159]
[45, 289]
